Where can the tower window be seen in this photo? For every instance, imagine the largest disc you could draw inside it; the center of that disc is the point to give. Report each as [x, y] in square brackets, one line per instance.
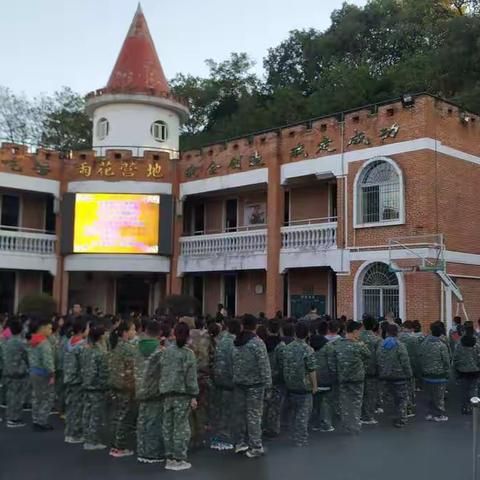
[159, 131]
[103, 128]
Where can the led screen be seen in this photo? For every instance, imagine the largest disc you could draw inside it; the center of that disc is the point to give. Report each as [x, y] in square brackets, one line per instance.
[116, 223]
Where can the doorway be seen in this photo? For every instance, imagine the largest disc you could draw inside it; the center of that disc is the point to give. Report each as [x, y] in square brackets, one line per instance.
[198, 291]
[230, 293]
[231, 214]
[133, 295]
[7, 291]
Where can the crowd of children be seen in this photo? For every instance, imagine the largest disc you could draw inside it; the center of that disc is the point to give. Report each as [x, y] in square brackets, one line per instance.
[174, 384]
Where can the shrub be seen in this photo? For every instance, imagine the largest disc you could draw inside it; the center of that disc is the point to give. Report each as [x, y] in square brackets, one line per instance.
[41, 305]
[179, 305]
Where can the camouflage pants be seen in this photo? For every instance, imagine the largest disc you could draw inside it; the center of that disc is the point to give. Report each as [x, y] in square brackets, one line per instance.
[273, 409]
[60, 391]
[370, 396]
[124, 419]
[469, 389]
[436, 398]
[3, 389]
[222, 423]
[201, 417]
[247, 415]
[74, 404]
[399, 391]
[350, 396]
[149, 430]
[322, 410]
[43, 396]
[411, 393]
[176, 426]
[94, 413]
[301, 413]
[15, 390]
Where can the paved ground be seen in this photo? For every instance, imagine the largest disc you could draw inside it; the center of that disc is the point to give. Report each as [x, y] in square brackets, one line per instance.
[423, 450]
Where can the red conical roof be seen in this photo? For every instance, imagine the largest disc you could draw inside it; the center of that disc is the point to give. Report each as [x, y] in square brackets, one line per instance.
[138, 69]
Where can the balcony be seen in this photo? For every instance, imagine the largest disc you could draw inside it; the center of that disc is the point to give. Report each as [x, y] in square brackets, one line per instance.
[310, 243]
[27, 249]
[244, 249]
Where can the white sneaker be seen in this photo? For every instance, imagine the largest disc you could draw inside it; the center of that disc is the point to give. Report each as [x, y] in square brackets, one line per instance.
[428, 418]
[182, 465]
[255, 452]
[74, 440]
[241, 448]
[379, 410]
[327, 430]
[94, 446]
[369, 422]
[149, 460]
[11, 424]
[171, 465]
[441, 418]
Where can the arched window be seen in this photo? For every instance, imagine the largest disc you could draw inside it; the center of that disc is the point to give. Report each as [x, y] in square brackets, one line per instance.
[103, 128]
[159, 131]
[379, 291]
[379, 193]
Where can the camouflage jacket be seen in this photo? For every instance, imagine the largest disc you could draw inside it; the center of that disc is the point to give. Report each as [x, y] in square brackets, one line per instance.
[324, 378]
[121, 367]
[149, 389]
[347, 360]
[40, 357]
[372, 342]
[222, 363]
[178, 375]
[412, 342]
[392, 360]
[94, 368]
[15, 358]
[298, 364]
[466, 358]
[434, 358]
[71, 361]
[201, 345]
[251, 366]
[276, 363]
[145, 349]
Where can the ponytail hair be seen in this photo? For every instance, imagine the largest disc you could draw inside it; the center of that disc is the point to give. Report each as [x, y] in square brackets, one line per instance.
[96, 333]
[124, 326]
[181, 332]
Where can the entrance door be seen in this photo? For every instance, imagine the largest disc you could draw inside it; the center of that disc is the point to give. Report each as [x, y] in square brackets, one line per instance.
[7, 291]
[10, 211]
[231, 220]
[230, 293]
[133, 295]
[199, 219]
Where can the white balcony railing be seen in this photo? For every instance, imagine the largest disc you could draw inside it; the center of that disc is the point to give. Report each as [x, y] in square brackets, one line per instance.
[246, 242]
[27, 242]
[309, 237]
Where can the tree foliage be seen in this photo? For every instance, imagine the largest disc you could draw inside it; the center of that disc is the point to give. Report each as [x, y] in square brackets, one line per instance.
[57, 121]
[368, 54]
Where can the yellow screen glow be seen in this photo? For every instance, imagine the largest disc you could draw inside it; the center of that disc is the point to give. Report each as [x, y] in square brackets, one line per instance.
[116, 223]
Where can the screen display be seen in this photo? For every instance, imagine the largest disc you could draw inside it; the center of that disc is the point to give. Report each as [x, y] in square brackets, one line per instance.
[116, 223]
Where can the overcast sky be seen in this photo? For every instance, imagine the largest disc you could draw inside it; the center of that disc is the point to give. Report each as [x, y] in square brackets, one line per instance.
[45, 44]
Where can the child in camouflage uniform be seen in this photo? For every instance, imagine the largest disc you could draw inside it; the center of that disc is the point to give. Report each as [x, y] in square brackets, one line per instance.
[42, 374]
[94, 362]
[15, 374]
[149, 422]
[395, 371]
[178, 386]
[370, 393]
[223, 384]
[347, 361]
[301, 382]
[466, 360]
[412, 342]
[122, 382]
[435, 365]
[252, 378]
[72, 380]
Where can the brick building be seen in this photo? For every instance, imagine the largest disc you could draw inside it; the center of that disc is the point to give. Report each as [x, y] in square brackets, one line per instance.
[275, 220]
